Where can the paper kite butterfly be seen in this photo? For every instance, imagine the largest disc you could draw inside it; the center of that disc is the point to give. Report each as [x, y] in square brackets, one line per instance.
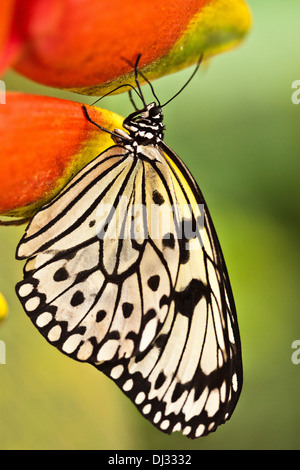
[125, 271]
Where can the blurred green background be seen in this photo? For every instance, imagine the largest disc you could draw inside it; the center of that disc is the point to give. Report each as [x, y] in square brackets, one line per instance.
[238, 131]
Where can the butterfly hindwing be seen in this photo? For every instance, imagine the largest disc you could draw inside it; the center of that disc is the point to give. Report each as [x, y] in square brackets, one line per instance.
[190, 379]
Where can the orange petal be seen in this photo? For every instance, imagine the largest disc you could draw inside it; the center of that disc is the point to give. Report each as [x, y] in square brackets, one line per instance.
[94, 39]
[109, 35]
[7, 46]
[44, 143]
[219, 26]
[24, 23]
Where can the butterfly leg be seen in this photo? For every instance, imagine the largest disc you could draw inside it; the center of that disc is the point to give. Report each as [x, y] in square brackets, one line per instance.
[87, 116]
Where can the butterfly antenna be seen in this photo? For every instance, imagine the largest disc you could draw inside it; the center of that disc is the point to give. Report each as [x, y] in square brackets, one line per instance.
[151, 86]
[136, 72]
[191, 77]
[115, 89]
[132, 100]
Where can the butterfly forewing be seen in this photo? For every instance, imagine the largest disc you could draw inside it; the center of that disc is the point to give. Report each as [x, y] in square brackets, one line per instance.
[91, 291]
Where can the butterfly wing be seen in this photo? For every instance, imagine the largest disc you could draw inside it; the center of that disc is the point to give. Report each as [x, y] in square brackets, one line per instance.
[125, 271]
[83, 271]
[191, 377]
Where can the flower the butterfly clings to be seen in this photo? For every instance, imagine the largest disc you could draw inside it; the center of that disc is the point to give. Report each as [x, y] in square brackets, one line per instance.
[124, 269]
[3, 308]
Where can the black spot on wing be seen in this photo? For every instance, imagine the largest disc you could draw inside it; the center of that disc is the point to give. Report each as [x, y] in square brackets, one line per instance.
[157, 197]
[187, 299]
[168, 240]
[77, 298]
[127, 309]
[100, 315]
[61, 275]
[160, 380]
[178, 391]
[153, 282]
[149, 315]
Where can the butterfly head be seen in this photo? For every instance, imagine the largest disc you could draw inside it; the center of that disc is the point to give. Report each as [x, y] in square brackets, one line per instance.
[145, 125]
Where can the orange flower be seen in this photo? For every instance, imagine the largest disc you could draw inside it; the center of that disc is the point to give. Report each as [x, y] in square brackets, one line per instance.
[87, 46]
[45, 142]
[3, 308]
[84, 45]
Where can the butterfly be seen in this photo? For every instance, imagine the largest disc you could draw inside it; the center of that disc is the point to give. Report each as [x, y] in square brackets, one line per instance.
[125, 271]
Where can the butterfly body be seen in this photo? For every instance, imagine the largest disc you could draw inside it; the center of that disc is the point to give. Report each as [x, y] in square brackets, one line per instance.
[125, 272]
